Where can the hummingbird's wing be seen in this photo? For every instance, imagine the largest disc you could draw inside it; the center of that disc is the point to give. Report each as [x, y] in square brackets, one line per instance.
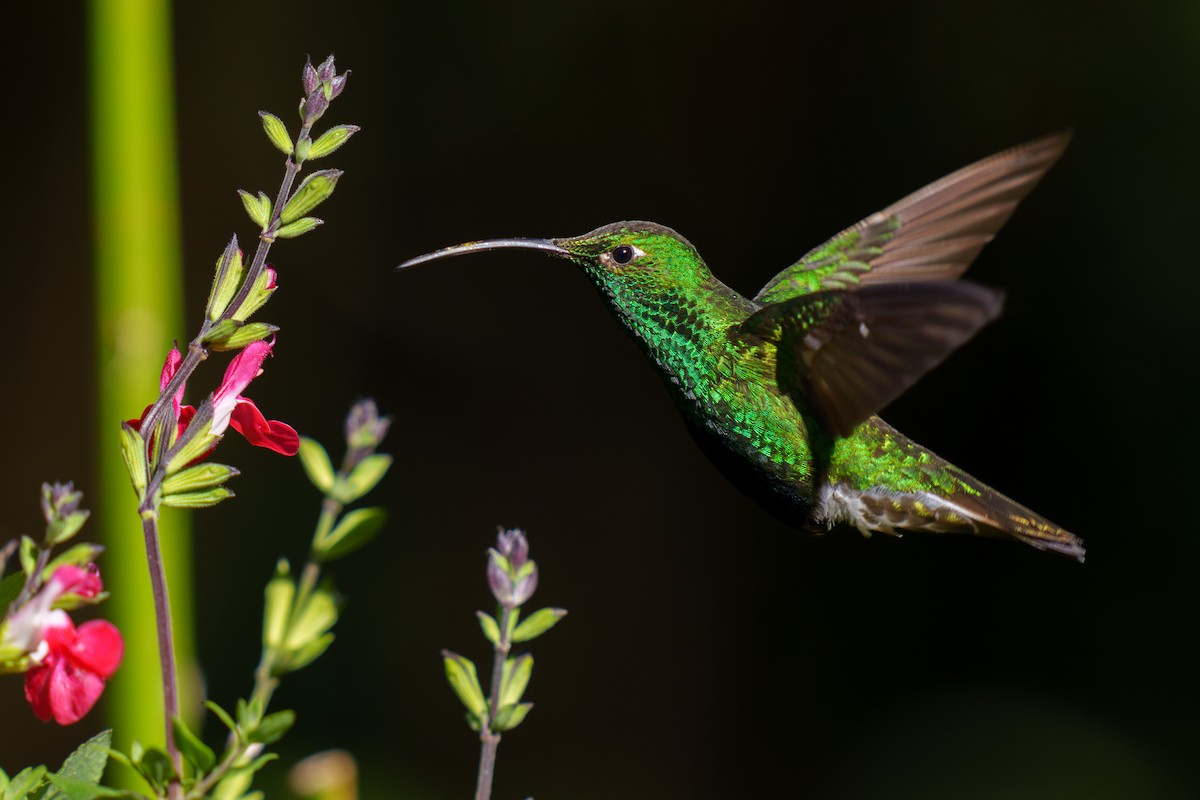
[932, 235]
[845, 355]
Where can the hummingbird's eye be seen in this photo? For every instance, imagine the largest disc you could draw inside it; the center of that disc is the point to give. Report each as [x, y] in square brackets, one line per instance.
[622, 254]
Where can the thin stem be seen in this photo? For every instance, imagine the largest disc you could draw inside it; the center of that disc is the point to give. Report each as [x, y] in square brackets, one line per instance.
[166, 644]
[489, 740]
[6, 552]
[34, 581]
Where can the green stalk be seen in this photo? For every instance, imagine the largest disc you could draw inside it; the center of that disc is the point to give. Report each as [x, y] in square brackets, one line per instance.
[138, 314]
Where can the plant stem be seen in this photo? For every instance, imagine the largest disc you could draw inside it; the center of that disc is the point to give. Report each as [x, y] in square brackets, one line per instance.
[166, 645]
[488, 739]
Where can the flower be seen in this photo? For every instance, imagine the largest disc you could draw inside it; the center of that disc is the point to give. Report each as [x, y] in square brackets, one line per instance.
[73, 666]
[27, 625]
[229, 407]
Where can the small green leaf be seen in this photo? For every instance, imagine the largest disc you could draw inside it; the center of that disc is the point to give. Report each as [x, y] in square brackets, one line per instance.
[297, 228]
[317, 616]
[220, 331]
[514, 678]
[510, 717]
[331, 140]
[74, 789]
[260, 293]
[363, 478]
[316, 464]
[195, 751]
[3, 780]
[197, 478]
[313, 190]
[133, 451]
[538, 623]
[198, 445]
[352, 532]
[460, 672]
[61, 530]
[222, 715]
[10, 587]
[273, 727]
[24, 783]
[227, 279]
[157, 768]
[276, 132]
[302, 148]
[259, 214]
[305, 655]
[490, 629]
[209, 497]
[280, 592]
[246, 334]
[28, 556]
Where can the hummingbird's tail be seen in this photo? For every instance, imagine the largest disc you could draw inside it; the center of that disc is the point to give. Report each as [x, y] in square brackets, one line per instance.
[903, 486]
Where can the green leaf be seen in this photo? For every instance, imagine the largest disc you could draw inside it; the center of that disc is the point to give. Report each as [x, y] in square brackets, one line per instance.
[352, 532]
[3, 780]
[460, 672]
[246, 334]
[62, 530]
[537, 623]
[28, 556]
[276, 132]
[198, 478]
[78, 555]
[133, 451]
[73, 789]
[490, 629]
[157, 768]
[24, 783]
[195, 751]
[305, 655]
[316, 464]
[280, 592]
[10, 587]
[222, 715]
[88, 761]
[331, 140]
[363, 478]
[273, 727]
[510, 717]
[209, 497]
[312, 191]
[226, 280]
[317, 616]
[259, 214]
[514, 678]
[297, 228]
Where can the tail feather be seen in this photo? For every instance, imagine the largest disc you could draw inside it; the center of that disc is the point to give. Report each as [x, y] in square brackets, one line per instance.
[909, 488]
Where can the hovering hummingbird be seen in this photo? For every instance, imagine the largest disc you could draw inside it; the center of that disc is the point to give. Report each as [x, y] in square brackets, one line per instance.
[781, 390]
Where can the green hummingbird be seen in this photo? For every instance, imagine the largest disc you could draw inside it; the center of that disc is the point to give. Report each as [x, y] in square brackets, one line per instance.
[782, 390]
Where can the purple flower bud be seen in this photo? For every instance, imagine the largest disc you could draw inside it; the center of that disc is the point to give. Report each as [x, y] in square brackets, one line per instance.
[310, 79]
[498, 578]
[314, 107]
[514, 546]
[59, 500]
[327, 70]
[525, 588]
[338, 84]
[365, 429]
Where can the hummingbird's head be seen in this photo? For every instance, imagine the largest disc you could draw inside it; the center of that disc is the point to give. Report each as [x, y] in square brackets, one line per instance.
[631, 262]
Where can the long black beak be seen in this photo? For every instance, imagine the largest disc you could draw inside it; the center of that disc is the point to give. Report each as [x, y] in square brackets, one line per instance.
[545, 245]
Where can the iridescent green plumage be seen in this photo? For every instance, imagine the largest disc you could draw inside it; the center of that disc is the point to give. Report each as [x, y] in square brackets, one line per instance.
[782, 390]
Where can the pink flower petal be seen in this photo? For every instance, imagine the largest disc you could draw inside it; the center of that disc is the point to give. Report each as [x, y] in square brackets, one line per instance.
[174, 359]
[247, 420]
[98, 648]
[244, 367]
[84, 582]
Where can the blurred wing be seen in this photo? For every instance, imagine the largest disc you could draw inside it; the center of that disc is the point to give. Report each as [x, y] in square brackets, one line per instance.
[932, 235]
[845, 355]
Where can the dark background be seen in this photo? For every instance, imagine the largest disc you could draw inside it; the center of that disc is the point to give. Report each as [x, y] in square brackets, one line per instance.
[710, 651]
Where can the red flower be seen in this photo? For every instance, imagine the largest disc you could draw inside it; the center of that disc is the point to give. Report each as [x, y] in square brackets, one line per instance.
[230, 409]
[72, 673]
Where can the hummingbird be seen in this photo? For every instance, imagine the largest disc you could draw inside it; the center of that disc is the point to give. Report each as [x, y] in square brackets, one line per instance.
[782, 390]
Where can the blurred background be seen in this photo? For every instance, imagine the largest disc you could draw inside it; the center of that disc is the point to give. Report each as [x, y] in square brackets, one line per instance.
[710, 651]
